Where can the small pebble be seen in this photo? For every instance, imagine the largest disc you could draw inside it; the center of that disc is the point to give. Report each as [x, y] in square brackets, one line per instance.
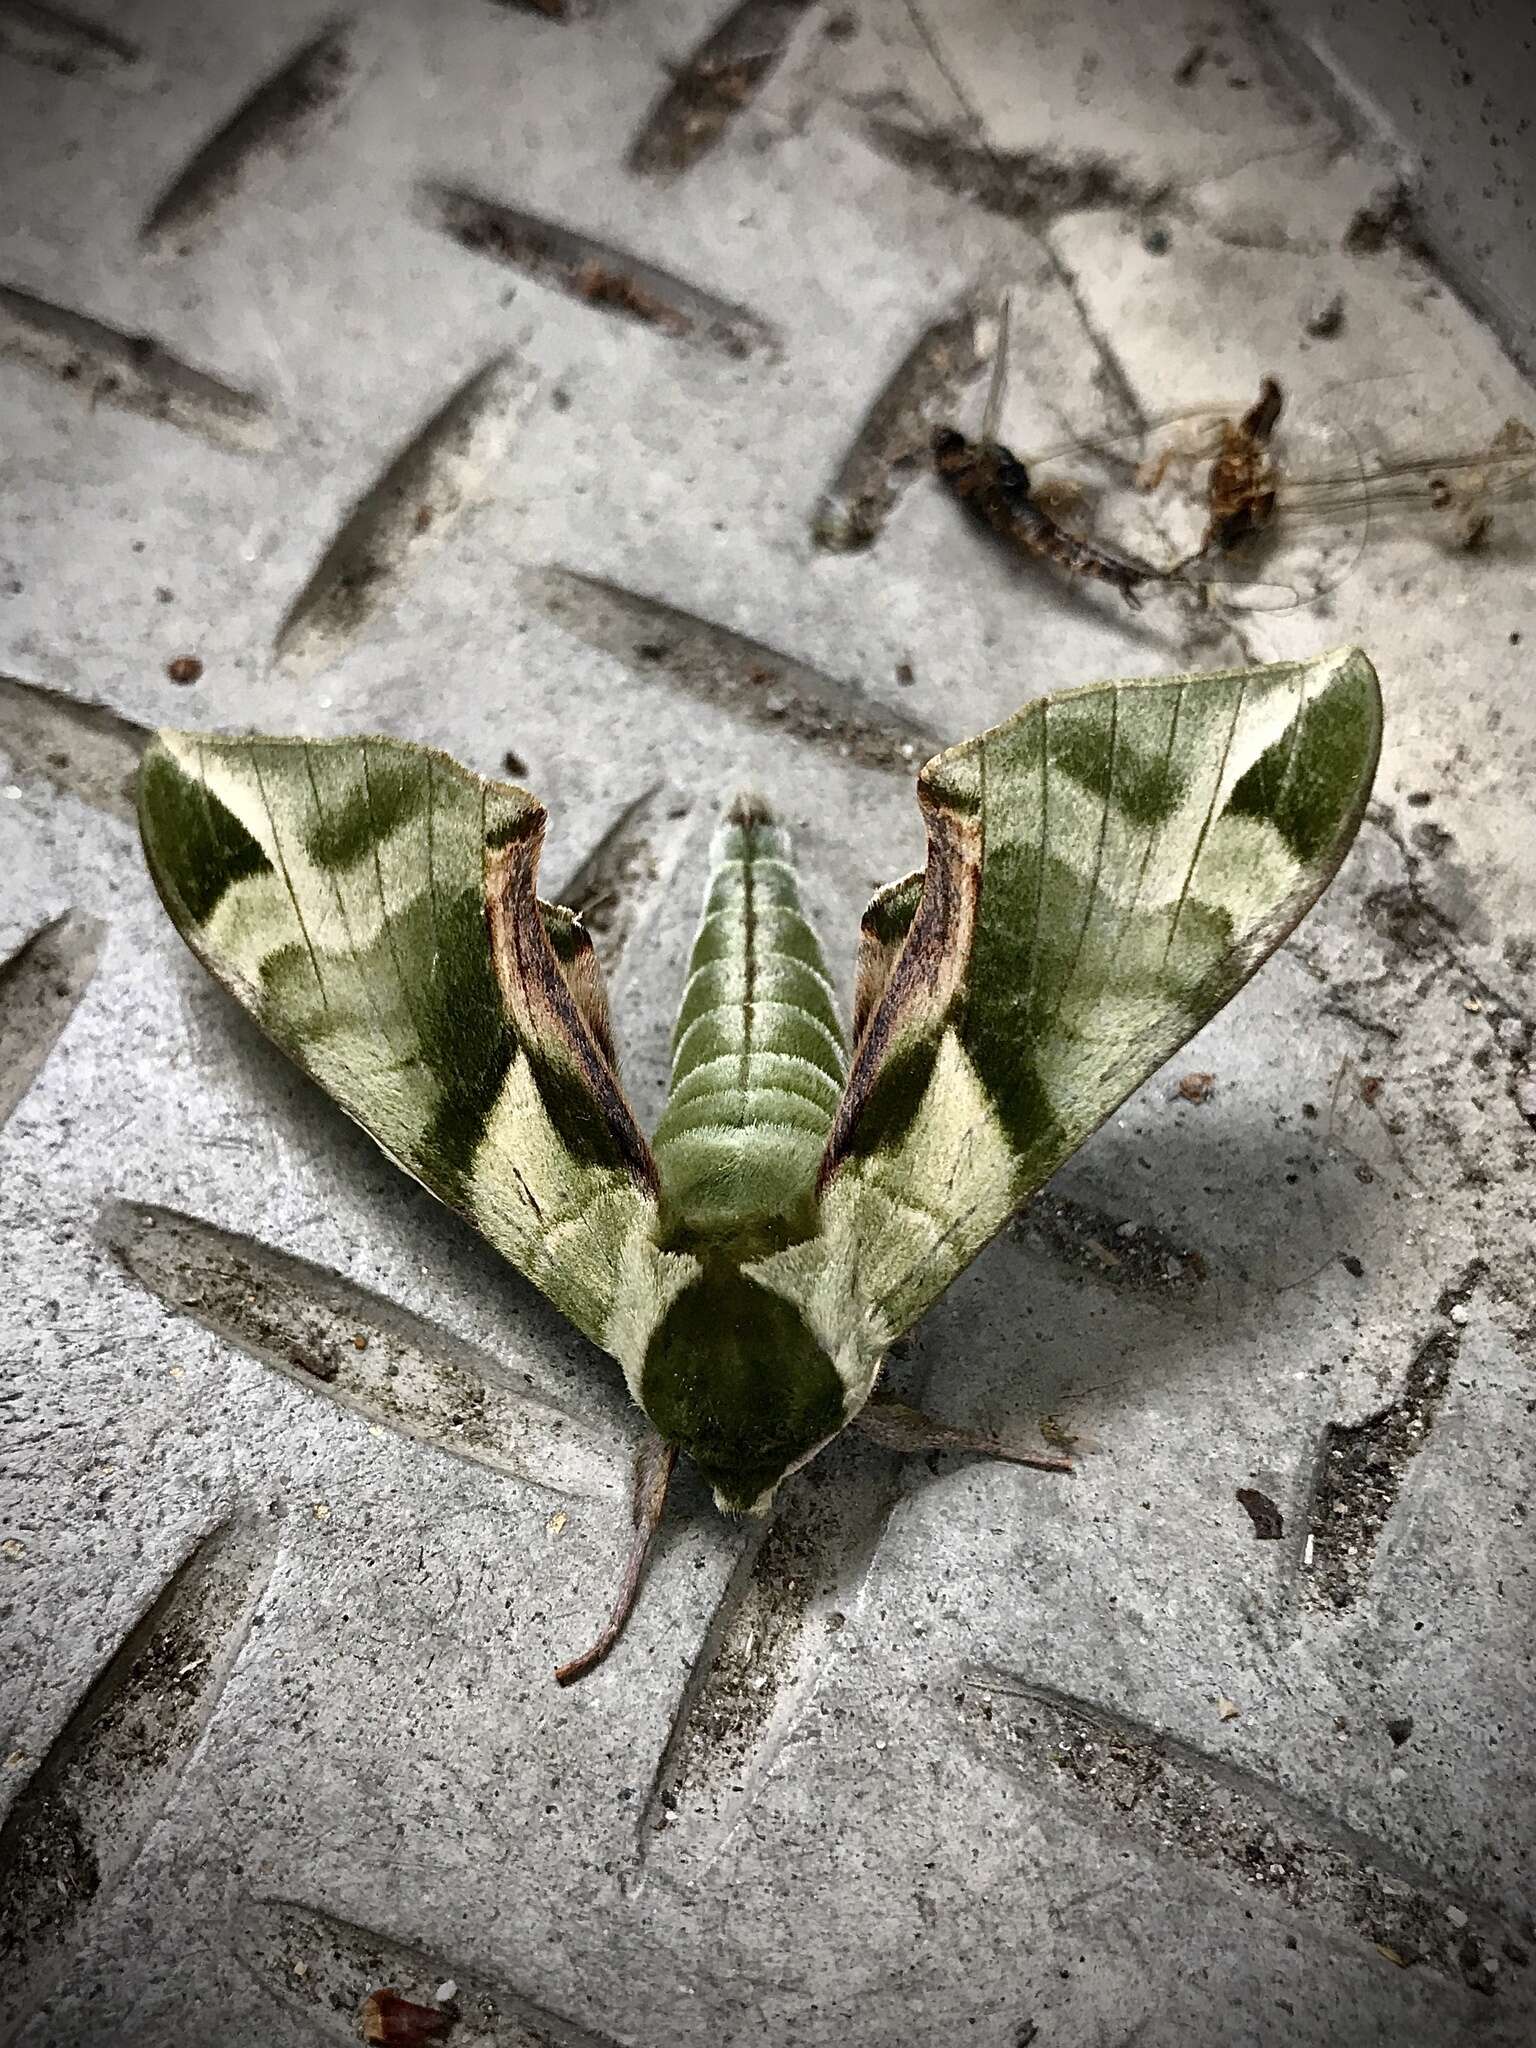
[1461, 1314]
[1456, 1916]
[446, 1992]
[186, 668]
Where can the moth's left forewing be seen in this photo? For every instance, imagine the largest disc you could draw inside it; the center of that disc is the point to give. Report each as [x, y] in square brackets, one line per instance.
[1105, 870]
[342, 890]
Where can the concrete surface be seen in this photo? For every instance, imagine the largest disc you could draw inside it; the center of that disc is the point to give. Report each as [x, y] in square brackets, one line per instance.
[294, 1528]
[1447, 89]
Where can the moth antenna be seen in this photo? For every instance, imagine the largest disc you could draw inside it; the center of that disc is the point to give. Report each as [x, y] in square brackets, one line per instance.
[992, 415]
[653, 1474]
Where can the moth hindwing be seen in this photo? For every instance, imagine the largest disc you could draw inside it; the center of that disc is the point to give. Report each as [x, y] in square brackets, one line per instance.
[1105, 870]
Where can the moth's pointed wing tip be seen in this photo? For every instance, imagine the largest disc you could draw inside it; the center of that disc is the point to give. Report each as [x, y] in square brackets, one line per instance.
[1352, 662]
[1350, 670]
[160, 754]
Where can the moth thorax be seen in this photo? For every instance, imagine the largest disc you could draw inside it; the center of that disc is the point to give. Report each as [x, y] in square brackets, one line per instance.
[734, 1375]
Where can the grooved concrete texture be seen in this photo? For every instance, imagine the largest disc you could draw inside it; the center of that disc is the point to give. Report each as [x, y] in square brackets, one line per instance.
[507, 377]
[1447, 86]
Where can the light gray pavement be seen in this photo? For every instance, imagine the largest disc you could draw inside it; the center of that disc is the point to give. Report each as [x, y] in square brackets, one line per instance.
[304, 1493]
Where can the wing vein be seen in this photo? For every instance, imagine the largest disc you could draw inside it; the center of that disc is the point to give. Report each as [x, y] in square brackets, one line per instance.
[432, 863]
[1156, 833]
[1210, 813]
[406, 991]
[1042, 840]
[293, 894]
[387, 1037]
[1290, 760]
[1098, 865]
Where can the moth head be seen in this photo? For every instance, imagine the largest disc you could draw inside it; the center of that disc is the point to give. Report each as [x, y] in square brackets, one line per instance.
[735, 1377]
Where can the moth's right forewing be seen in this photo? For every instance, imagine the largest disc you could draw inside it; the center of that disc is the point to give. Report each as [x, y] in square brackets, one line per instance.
[1105, 871]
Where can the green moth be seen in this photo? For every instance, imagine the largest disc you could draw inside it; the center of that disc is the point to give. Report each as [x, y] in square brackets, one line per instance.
[1105, 870]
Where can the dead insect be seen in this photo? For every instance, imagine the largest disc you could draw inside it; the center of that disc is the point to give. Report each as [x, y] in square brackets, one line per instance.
[1240, 486]
[1284, 509]
[993, 485]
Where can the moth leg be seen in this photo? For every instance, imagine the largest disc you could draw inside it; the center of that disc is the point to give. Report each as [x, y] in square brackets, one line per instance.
[653, 1472]
[898, 1427]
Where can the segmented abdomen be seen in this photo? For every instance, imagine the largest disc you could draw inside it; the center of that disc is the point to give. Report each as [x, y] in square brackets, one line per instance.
[758, 1055]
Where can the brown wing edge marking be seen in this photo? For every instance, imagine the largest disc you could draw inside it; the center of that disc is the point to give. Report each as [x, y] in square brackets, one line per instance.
[583, 973]
[556, 1006]
[925, 978]
[882, 933]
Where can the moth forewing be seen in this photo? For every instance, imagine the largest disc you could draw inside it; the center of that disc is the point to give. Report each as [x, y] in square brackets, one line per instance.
[1142, 849]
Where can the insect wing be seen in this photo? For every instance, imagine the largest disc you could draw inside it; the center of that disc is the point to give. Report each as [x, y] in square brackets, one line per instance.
[1335, 498]
[1147, 494]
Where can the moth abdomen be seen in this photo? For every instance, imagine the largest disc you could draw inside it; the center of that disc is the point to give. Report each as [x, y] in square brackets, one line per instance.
[758, 1051]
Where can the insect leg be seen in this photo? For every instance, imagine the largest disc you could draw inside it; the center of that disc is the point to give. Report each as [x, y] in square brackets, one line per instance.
[653, 1472]
[898, 1427]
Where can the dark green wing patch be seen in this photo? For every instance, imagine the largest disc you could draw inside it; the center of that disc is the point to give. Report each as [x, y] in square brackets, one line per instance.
[189, 831]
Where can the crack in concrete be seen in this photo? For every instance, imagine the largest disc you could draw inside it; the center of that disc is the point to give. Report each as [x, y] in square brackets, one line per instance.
[332, 1337]
[41, 985]
[81, 1819]
[1360, 1466]
[715, 86]
[269, 121]
[595, 273]
[104, 366]
[404, 516]
[1163, 1793]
